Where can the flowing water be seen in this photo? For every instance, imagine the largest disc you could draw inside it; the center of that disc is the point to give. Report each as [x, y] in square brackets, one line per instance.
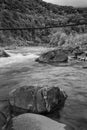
[21, 70]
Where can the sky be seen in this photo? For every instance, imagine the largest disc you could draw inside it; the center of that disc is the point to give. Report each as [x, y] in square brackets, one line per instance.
[76, 3]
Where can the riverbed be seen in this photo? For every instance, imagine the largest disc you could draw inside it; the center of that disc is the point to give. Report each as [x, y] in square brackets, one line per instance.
[21, 70]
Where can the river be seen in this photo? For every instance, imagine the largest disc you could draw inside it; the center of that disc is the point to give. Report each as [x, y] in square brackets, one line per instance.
[21, 70]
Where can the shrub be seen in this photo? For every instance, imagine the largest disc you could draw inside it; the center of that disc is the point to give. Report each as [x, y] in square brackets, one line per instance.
[58, 38]
[61, 39]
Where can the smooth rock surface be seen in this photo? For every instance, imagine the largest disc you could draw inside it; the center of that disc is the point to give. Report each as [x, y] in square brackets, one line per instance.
[37, 99]
[34, 122]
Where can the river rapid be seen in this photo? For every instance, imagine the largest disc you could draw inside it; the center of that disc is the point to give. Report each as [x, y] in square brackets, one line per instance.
[21, 70]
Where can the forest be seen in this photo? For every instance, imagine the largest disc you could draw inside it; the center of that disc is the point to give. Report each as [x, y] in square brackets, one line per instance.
[37, 13]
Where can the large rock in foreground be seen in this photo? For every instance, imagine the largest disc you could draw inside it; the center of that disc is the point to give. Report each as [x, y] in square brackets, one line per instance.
[54, 56]
[34, 122]
[4, 112]
[3, 53]
[36, 99]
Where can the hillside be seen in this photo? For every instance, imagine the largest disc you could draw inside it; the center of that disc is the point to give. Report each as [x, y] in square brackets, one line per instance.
[35, 13]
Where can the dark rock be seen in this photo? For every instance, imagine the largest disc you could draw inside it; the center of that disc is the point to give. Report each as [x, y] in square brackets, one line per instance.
[73, 52]
[4, 113]
[84, 67]
[68, 50]
[3, 53]
[3, 120]
[36, 99]
[54, 56]
[34, 122]
[77, 51]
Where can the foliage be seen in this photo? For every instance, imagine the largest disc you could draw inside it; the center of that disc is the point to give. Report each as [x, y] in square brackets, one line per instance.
[61, 39]
[37, 13]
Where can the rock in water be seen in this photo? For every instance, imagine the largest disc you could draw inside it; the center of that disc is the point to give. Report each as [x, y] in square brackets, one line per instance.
[36, 99]
[4, 113]
[54, 56]
[3, 53]
[34, 122]
[3, 120]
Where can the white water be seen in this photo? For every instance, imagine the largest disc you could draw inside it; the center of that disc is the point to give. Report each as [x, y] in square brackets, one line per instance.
[16, 58]
[21, 70]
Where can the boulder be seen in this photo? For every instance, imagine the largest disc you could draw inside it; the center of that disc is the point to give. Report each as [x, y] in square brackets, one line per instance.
[54, 56]
[77, 52]
[34, 122]
[3, 120]
[3, 53]
[68, 50]
[73, 49]
[36, 99]
[4, 113]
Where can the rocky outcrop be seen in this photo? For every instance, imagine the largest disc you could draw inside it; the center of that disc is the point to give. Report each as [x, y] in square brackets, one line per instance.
[3, 53]
[37, 99]
[34, 122]
[54, 56]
